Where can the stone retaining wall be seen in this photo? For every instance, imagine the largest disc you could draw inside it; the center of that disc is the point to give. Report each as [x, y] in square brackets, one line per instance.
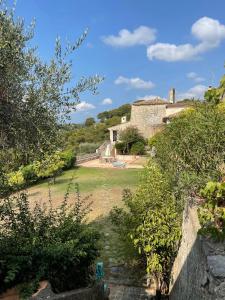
[199, 269]
[91, 293]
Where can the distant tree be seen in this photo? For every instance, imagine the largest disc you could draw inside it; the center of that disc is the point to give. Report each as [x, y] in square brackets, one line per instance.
[121, 111]
[89, 122]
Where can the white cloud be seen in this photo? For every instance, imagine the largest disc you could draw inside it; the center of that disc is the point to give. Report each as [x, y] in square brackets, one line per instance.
[135, 83]
[83, 106]
[107, 101]
[194, 76]
[208, 31]
[150, 97]
[196, 92]
[142, 35]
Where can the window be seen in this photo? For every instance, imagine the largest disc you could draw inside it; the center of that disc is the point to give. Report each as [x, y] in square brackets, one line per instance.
[114, 135]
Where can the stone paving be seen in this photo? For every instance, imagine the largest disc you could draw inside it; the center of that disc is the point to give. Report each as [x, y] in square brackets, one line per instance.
[121, 292]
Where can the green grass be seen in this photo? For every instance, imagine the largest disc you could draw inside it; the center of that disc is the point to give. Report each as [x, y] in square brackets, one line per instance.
[91, 179]
[105, 187]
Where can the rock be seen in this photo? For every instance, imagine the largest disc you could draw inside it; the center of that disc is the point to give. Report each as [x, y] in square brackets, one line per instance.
[220, 291]
[216, 265]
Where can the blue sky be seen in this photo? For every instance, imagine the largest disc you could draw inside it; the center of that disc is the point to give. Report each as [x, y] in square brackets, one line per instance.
[141, 47]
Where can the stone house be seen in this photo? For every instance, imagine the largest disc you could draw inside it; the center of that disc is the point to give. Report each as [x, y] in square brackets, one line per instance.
[149, 116]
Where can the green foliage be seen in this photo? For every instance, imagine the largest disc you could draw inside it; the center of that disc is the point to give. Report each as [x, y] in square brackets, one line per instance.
[191, 148]
[29, 173]
[121, 111]
[35, 95]
[113, 121]
[89, 122]
[151, 223]
[69, 158]
[16, 179]
[137, 148]
[120, 147]
[129, 137]
[50, 166]
[212, 211]
[216, 95]
[96, 134]
[46, 244]
[85, 148]
[73, 136]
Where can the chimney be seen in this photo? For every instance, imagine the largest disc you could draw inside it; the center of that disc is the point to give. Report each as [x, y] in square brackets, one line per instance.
[123, 119]
[172, 96]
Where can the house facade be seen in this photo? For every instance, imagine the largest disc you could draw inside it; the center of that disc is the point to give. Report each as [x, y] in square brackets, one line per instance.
[149, 116]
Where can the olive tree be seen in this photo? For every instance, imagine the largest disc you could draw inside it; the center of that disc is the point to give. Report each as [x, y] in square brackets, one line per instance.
[35, 96]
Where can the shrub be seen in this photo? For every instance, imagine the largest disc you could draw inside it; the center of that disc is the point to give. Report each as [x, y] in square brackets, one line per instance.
[69, 159]
[46, 244]
[130, 136]
[191, 147]
[50, 166]
[137, 149]
[151, 223]
[16, 179]
[29, 173]
[120, 147]
[212, 211]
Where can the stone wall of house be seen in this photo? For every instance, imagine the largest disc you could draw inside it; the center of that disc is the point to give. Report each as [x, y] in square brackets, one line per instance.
[173, 110]
[148, 118]
[199, 269]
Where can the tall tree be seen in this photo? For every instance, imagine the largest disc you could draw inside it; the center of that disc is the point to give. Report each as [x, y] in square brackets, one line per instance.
[35, 96]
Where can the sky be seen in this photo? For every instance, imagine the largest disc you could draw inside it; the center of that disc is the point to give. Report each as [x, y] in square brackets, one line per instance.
[142, 48]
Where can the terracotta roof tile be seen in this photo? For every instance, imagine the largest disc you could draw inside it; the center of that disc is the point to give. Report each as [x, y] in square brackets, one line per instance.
[156, 101]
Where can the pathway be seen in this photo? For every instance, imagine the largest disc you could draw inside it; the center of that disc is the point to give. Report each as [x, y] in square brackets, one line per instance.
[125, 283]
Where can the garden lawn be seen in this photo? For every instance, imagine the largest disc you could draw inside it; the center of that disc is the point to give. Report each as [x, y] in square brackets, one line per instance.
[103, 186]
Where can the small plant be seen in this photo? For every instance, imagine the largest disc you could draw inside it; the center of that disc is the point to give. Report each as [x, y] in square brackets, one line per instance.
[43, 243]
[212, 211]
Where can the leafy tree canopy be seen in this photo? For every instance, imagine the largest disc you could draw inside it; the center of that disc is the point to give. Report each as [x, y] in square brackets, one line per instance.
[35, 96]
[121, 111]
[89, 122]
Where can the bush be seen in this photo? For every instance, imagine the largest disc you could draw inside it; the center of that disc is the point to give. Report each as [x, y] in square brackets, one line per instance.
[212, 211]
[46, 244]
[191, 147]
[16, 179]
[29, 173]
[151, 222]
[137, 149]
[69, 159]
[130, 136]
[120, 147]
[50, 166]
